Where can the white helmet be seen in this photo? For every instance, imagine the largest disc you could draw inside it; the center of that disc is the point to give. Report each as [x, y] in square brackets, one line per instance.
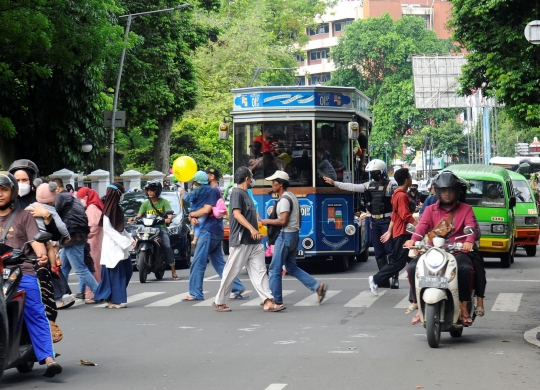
[376, 165]
[414, 183]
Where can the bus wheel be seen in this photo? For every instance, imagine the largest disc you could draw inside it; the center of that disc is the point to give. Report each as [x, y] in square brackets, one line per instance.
[340, 263]
[530, 250]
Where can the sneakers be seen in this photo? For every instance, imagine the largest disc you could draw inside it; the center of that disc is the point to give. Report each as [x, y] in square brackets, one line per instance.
[373, 287]
[395, 283]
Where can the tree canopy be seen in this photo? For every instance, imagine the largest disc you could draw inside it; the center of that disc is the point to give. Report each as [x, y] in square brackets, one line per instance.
[500, 60]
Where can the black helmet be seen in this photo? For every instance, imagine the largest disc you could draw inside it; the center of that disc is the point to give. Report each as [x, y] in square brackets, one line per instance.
[154, 185]
[9, 181]
[29, 167]
[446, 179]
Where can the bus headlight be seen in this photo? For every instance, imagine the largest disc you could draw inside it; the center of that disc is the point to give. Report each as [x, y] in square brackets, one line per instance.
[497, 229]
[350, 230]
[531, 220]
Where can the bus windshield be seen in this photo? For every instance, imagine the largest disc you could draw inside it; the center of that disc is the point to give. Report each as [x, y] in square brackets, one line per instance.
[291, 146]
[523, 194]
[485, 193]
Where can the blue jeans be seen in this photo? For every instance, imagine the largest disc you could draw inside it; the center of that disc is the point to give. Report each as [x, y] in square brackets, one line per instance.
[208, 246]
[285, 254]
[378, 228]
[73, 257]
[36, 319]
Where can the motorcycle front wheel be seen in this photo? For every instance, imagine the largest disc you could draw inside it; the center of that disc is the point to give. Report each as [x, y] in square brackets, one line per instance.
[433, 324]
[141, 262]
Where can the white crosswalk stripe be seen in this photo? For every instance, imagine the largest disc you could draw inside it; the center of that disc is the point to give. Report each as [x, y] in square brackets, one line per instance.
[364, 299]
[137, 297]
[404, 303]
[257, 301]
[313, 300]
[210, 301]
[507, 302]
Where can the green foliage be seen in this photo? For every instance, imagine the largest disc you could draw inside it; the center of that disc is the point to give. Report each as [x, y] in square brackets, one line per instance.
[373, 55]
[508, 133]
[500, 60]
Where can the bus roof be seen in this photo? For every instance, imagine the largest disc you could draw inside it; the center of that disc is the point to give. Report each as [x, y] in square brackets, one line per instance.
[479, 171]
[300, 98]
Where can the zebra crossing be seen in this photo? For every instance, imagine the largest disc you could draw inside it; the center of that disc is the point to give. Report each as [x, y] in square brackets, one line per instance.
[504, 302]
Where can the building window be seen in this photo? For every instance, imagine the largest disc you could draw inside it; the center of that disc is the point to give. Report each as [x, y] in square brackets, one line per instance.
[320, 29]
[315, 55]
[300, 80]
[340, 24]
[299, 57]
[320, 78]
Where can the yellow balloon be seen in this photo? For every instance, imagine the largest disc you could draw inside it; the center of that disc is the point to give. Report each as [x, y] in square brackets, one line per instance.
[184, 168]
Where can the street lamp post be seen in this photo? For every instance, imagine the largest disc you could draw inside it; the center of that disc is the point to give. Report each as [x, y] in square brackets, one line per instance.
[386, 144]
[117, 89]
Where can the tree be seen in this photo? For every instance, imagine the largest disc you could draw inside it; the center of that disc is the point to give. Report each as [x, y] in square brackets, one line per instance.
[52, 59]
[373, 55]
[500, 60]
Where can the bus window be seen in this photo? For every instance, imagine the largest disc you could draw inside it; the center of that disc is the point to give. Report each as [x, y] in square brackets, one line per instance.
[523, 194]
[485, 193]
[333, 150]
[265, 147]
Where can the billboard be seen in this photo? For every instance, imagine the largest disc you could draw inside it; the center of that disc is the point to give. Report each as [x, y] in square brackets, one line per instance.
[435, 81]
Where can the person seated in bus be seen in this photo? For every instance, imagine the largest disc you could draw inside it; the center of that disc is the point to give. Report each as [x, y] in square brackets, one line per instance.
[493, 196]
[338, 166]
[324, 167]
[265, 139]
[281, 156]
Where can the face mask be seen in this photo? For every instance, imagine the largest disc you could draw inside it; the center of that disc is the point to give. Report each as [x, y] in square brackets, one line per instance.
[413, 189]
[376, 176]
[24, 189]
[121, 197]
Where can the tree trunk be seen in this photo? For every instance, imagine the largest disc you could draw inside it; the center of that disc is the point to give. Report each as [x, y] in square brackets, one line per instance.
[7, 153]
[162, 147]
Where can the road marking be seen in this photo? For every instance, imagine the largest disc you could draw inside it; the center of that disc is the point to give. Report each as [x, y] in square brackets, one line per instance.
[403, 275]
[211, 277]
[530, 336]
[137, 297]
[257, 301]
[276, 386]
[285, 342]
[169, 301]
[313, 300]
[507, 302]
[210, 301]
[364, 299]
[404, 303]
[342, 351]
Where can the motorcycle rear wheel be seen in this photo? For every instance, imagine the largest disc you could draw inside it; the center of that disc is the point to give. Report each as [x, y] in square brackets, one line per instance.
[433, 324]
[141, 261]
[25, 367]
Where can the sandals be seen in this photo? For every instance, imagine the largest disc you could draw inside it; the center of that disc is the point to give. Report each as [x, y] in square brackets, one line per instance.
[323, 287]
[91, 301]
[222, 308]
[275, 307]
[64, 305]
[479, 311]
[190, 298]
[111, 305]
[56, 332]
[412, 307]
[53, 369]
[466, 321]
[176, 277]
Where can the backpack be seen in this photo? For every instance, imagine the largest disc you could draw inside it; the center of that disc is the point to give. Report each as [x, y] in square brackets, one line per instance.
[273, 231]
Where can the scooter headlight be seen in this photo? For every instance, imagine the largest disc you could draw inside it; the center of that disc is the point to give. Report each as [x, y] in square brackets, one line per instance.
[434, 259]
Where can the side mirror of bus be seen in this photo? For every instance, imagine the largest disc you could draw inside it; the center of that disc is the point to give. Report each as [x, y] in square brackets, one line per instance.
[353, 130]
[512, 203]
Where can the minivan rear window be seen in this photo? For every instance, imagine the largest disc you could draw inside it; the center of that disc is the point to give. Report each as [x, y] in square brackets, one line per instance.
[485, 193]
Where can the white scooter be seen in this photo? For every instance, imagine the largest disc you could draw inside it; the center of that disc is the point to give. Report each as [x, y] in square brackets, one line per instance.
[436, 279]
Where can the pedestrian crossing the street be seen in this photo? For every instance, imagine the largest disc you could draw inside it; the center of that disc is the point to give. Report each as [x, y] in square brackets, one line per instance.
[397, 299]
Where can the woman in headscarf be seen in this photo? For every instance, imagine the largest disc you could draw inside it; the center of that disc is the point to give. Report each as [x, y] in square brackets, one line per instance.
[116, 268]
[94, 208]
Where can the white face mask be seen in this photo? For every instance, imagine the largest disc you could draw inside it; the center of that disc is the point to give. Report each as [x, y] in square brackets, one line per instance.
[24, 189]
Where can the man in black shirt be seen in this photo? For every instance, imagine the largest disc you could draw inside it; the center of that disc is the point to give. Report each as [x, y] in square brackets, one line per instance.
[245, 246]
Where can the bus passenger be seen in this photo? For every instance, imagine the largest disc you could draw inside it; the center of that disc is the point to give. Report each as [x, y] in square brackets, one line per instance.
[324, 167]
[266, 140]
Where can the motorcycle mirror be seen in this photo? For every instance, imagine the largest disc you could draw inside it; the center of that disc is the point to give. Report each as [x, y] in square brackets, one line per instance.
[468, 230]
[129, 212]
[410, 228]
[43, 237]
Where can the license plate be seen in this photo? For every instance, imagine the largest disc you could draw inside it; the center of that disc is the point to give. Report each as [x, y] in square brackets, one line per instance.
[6, 273]
[300, 254]
[432, 281]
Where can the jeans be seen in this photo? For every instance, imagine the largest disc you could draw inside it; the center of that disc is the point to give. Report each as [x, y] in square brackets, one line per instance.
[378, 228]
[166, 247]
[73, 257]
[208, 246]
[285, 254]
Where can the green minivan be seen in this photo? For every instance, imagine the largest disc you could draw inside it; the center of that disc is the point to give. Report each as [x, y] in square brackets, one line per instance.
[527, 231]
[491, 195]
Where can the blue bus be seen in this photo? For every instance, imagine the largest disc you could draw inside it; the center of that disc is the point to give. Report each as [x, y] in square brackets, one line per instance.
[300, 129]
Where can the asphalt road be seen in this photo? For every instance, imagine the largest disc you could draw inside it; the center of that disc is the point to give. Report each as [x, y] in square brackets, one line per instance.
[351, 341]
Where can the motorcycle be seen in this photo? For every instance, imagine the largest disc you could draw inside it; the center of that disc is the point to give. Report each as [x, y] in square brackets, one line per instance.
[16, 350]
[436, 281]
[150, 257]
[180, 240]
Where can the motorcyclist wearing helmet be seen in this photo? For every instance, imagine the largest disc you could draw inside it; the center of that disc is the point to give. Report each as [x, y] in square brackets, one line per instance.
[23, 228]
[448, 188]
[413, 193]
[378, 191]
[26, 173]
[158, 205]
